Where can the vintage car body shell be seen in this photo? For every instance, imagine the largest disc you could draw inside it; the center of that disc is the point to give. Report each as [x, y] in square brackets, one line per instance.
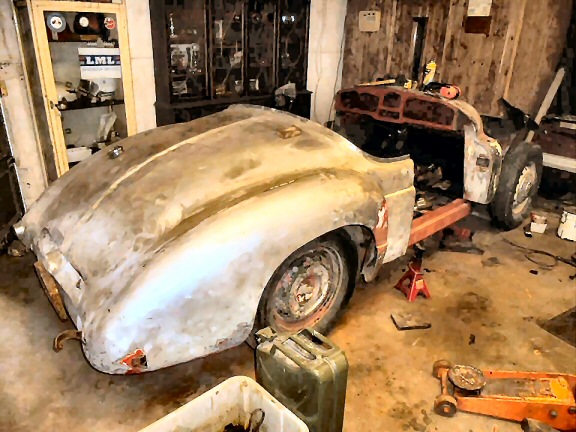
[168, 248]
[397, 105]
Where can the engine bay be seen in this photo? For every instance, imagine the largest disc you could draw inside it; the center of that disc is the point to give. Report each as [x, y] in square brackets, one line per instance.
[438, 155]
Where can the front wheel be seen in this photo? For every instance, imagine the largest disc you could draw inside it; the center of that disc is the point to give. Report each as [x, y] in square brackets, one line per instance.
[308, 289]
[519, 181]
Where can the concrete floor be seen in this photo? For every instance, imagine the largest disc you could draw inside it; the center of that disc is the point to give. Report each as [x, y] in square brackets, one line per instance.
[493, 296]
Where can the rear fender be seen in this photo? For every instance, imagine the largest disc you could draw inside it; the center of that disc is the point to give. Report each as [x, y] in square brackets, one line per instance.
[200, 293]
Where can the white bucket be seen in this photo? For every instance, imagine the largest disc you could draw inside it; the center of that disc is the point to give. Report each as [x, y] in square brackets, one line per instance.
[567, 228]
[230, 402]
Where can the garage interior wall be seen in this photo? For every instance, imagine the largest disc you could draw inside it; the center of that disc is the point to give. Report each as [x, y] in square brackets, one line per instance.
[17, 109]
[517, 60]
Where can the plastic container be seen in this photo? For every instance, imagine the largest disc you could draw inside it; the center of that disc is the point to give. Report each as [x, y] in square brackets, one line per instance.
[538, 224]
[230, 402]
[567, 227]
[307, 373]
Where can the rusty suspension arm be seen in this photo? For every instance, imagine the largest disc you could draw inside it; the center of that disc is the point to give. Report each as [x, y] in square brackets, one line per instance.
[436, 220]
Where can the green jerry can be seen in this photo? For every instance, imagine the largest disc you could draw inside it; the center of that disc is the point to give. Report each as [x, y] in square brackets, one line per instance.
[307, 373]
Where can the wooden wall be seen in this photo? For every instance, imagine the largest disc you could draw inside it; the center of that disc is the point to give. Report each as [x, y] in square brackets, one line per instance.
[516, 60]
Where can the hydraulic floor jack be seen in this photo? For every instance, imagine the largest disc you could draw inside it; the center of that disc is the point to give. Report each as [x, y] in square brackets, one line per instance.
[511, 395]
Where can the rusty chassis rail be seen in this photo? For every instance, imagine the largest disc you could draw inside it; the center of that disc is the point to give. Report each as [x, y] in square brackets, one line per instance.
[436, 220]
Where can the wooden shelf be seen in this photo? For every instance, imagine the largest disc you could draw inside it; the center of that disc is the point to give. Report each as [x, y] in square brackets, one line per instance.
[222, 100]
[225, 100]
[75, 38]
[80, 104]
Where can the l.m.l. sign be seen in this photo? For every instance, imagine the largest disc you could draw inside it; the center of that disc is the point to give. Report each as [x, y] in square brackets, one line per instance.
[99, 63]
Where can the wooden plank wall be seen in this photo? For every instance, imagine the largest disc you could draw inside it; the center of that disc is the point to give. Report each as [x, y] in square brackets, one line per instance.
[485, 67]
[542, 39]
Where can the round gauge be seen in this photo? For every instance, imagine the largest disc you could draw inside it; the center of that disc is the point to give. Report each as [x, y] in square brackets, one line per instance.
[84, 21]
[56, 22]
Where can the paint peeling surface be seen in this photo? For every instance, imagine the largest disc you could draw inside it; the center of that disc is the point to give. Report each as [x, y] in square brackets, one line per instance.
[482, 163]
[166, 249]
[398, 107]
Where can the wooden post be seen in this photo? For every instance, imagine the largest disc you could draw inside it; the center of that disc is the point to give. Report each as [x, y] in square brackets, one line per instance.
[547, 100]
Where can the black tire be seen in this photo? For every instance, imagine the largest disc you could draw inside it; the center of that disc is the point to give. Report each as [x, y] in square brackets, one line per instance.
[322, 319]
[446, 406]
[519, 178]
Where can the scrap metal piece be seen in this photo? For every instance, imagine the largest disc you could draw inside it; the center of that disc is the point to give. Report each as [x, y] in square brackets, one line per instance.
[50, 287]
[63, 337]
[115, 152]
[408, 321]
[289, 132]
[256, 419]
[16, 249]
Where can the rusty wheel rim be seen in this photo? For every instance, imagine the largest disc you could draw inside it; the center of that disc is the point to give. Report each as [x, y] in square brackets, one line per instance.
[307, 290]
[523, 192]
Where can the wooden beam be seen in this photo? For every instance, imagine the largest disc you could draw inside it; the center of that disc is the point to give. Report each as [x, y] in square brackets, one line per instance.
[518, 33]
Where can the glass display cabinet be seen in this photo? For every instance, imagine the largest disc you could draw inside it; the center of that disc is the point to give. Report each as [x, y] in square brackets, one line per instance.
[209, 54]
[83, 60]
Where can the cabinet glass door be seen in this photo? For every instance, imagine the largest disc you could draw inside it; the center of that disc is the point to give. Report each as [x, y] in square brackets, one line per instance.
[186, 35]
[293, 42]
[84, 70]
[261, 46]
[228, 51]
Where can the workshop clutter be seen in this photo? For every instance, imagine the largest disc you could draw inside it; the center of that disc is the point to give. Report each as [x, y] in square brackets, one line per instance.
[301, 387]
[238, 404]
[427, 84]
[567, 227]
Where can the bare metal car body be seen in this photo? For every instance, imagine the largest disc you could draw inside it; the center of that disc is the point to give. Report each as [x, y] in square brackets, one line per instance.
[167, 249]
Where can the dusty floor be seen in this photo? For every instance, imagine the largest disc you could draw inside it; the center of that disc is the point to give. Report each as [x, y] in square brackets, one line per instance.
[492, 296]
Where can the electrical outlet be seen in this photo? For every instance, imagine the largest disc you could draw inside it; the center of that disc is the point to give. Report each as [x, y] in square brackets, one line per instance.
[370, 20]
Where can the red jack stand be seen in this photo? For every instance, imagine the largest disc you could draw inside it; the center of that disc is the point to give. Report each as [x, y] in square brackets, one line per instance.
[416, 283]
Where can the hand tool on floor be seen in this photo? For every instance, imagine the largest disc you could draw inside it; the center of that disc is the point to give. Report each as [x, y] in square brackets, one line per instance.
[530, 425]
[510, 395]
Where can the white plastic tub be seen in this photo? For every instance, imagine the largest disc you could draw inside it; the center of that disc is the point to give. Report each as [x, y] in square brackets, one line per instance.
[230, 402]
[567, 228]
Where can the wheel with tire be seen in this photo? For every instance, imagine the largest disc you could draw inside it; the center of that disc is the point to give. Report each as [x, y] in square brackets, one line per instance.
[308, 290]
[518, 184]
[445, 405]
